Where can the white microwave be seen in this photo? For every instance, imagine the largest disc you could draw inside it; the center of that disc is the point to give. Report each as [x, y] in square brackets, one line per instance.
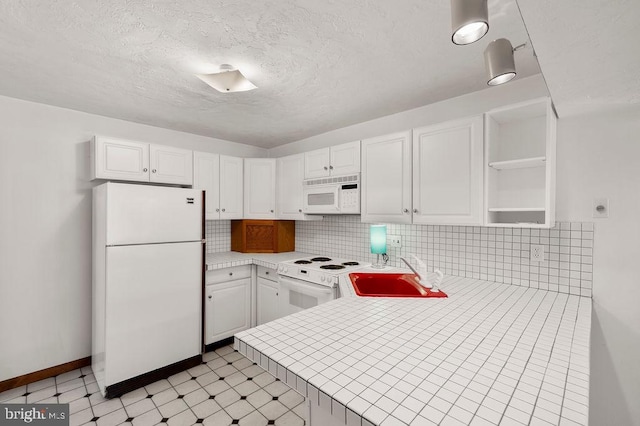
[332, 195]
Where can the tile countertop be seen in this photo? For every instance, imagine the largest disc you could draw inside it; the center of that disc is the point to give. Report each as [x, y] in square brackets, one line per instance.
[228, 259]
[489, 354]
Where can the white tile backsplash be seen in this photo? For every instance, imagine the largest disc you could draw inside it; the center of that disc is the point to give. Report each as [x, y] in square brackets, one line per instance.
[493, 254]
[218, 233]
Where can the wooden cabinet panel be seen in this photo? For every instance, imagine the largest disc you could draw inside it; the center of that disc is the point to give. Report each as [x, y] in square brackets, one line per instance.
[263, 236]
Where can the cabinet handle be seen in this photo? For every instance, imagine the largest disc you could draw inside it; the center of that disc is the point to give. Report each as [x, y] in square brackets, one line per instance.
[325, 167]
[415, 210]
[145, 170]
[271, 211]
[223, 210]
[331, 167]
[406, 210]
[267, 272]
[217, 210]
[299, 210]
[209, 297]
[153, 170]
[230, 274]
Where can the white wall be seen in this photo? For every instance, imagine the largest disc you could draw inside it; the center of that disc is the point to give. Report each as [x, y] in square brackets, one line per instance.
[45, 227]
[599, 157]
[462, 106]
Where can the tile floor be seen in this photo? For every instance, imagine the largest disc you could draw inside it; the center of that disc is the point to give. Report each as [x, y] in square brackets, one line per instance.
[226, 389]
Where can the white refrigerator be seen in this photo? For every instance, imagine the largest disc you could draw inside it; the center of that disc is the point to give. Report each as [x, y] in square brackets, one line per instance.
[148, 252]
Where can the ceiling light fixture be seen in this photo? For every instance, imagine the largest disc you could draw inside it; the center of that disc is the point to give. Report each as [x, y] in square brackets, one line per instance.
[227, 80]
[499, 61]
[469, 20]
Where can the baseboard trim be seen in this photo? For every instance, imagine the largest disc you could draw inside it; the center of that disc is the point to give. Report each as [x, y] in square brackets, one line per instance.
[36, 376]
[119, 389]
[215, 345]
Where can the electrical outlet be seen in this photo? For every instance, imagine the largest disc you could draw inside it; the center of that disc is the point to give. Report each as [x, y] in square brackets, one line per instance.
[395, 241]
[537, 253]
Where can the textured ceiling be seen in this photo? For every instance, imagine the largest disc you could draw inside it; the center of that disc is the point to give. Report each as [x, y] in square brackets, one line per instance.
[319, 65]
[588, 52]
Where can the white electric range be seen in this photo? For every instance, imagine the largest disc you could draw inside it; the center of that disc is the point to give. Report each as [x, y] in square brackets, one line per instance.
[311, 281]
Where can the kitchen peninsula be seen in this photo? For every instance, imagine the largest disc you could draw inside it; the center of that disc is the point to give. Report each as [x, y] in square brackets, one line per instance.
[489, 354]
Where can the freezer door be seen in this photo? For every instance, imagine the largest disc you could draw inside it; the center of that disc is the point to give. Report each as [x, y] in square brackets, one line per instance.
[141, 214]
[153, 307]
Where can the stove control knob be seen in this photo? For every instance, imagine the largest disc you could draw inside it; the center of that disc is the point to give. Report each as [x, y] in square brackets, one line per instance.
[322, 278]
[286, 269]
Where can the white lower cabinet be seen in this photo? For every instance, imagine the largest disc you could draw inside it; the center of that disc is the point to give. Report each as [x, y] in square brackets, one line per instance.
[227, 303]
[268, 295]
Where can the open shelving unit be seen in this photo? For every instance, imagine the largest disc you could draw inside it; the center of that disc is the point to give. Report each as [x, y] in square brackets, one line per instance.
[520, 165]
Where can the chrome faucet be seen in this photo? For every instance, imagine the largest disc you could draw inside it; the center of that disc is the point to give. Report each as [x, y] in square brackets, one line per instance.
[412, 269]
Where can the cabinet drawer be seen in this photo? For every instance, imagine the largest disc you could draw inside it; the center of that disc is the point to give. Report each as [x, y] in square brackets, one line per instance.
[228, 274]
[267, 273]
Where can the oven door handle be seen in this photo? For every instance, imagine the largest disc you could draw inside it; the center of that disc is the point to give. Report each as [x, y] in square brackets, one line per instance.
[302, 286]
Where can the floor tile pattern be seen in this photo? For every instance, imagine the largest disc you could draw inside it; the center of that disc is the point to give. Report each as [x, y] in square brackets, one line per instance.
[226, 389]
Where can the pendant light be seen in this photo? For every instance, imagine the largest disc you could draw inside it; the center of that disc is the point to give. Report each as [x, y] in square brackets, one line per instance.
[227, 80]
[499, 62]
[469, 20]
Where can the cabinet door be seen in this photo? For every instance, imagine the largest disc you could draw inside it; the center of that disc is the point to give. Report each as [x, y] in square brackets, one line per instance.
[171, 165]
[386, 178]
[206, 176]
[259, 188]
[231, 187]
[268, 304]
[119, 159]
[345, 159]
[316, 163]
[289, 192]
[447, 173]
[227, 309]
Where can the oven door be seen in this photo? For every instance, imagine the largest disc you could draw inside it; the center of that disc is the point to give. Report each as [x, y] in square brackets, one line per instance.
[321, 199]
[297, 295]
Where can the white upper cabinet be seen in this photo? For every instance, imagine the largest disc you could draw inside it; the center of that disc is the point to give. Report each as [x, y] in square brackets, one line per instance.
[345, 159]
[231, 187]
[290, 175]
[386, 178]
[316, 163]
[221, 177]
[120, 159]
[170, 165]
[520, 165]
[289, 192]
[448, 173]
[333, 161]
[259, 188]
[206, 176]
